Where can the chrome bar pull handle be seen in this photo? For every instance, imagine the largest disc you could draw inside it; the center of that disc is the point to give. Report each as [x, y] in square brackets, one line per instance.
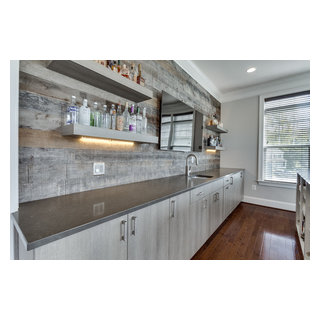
[173, 204]
[205, 202]
[123, 230]
[232, 180]
[133, 226]
[218, 196]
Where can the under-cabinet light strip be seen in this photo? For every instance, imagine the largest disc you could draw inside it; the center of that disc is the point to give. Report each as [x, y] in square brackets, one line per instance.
[106, 141]
[213, 151]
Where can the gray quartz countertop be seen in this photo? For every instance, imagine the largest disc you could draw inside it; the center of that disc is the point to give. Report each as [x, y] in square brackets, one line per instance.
[43, 221]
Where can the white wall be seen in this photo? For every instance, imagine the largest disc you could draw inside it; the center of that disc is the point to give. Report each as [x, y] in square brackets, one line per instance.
[241, 118]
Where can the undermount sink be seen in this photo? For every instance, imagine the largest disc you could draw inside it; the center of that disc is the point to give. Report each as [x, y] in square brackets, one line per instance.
[201, 176]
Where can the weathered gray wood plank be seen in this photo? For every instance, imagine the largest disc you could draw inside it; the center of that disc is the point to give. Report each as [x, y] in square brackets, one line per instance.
[52, 165]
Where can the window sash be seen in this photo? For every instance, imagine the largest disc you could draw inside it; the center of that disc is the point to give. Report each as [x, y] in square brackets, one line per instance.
[292, 148]
[281, 163]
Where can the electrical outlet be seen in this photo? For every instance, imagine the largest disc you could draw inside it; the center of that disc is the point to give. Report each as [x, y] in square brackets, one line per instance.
[254, 187]
[98, 168]
[98, 209]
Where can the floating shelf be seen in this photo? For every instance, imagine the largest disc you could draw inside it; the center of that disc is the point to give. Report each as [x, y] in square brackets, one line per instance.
[217, 129]
[99, 76]
[88, 131]
[214, 148]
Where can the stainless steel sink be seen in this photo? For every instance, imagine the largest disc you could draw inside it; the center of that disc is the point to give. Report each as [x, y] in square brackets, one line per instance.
[201, 176]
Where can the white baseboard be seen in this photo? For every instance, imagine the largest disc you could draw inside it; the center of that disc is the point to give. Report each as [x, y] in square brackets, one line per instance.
[270, 203]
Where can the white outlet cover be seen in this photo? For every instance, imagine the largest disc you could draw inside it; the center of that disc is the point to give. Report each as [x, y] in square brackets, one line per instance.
[98, 168]
[98, 209]
[254, 187]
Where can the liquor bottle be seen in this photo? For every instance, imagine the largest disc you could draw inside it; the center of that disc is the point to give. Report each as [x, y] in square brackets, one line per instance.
[113, 114]
[133, 74]
[92, 116]
[119, 118]
[96, 115]
[103, 122]
[138, 121]
[119, 66]
[72, 114]
[144, 121]
[126, 117]
[132, 120]
[115, 66]
[140, 79]
[125, 71]
[84, 113]
[108, 120]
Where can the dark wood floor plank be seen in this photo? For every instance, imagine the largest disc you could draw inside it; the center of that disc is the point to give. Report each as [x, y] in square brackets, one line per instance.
[254, 232]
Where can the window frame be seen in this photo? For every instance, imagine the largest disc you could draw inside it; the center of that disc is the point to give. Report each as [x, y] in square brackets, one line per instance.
[261, 180]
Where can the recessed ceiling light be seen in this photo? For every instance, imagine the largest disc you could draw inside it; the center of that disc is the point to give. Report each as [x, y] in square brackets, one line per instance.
[251, 70]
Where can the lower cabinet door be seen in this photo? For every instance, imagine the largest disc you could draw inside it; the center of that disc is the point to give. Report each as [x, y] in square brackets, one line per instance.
[148, 232]
[219, 208]
[215, 210]
[199, 223]
[179, 237]
[227, 201]
[204, 226]
[105, 241]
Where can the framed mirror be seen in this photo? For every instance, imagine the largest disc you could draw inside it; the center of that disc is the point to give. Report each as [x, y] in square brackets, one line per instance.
[180, 126]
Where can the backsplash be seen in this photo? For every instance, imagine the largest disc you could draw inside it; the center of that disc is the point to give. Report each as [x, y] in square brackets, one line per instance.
[52, 165]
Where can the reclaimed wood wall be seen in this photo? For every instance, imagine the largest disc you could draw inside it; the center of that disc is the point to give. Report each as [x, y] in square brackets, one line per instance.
[52, 165]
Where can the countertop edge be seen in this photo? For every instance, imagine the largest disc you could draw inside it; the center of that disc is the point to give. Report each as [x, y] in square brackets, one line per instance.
[38, 243]
[305, 176]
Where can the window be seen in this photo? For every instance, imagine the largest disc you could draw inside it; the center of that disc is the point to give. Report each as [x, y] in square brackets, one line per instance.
[284, 144]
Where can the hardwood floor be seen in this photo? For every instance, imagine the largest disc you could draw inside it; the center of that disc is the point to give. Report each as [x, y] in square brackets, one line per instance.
[254, 232]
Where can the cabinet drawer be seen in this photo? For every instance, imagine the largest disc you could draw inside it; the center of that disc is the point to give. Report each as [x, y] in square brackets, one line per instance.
[198, 193]
[214, 186]
[227, 180]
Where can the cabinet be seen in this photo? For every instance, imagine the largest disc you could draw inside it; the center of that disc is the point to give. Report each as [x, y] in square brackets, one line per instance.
[303, 213]
[236, 190]
[106, 241]
[142, 234]
[233, 192]
[199, 223]
[215, 210]
[179, 222]
[175, 228]
[227, 200]
[148, 232]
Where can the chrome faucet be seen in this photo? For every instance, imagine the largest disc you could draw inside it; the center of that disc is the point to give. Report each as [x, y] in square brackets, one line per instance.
[188, 168]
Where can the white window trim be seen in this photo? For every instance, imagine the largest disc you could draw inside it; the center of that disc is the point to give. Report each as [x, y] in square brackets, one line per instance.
[262, 98]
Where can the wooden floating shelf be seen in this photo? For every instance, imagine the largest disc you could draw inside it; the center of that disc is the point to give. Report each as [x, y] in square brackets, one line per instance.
[97, 75]
[217, 129]
[95, 132]
[214, 148]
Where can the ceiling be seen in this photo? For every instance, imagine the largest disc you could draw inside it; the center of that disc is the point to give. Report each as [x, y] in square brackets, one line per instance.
[231, 75]
[224, 77]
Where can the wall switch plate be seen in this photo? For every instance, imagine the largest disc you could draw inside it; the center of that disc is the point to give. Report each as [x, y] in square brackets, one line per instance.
[98, 168]
[254, 187]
